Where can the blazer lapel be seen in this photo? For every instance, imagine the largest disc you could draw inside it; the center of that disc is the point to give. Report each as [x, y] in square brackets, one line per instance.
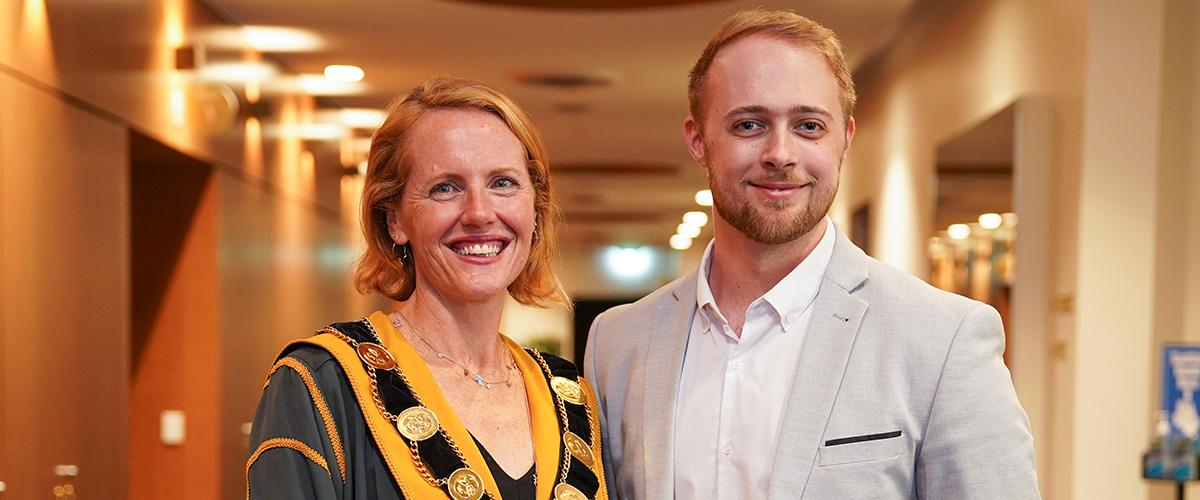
[837, 315]
[665, 345]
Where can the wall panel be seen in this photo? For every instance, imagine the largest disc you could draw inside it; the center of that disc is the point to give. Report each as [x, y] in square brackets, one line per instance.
[65, 272]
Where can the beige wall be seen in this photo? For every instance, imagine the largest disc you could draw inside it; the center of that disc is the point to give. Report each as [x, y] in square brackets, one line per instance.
[64, 277]
[957, 66]
[70, 91]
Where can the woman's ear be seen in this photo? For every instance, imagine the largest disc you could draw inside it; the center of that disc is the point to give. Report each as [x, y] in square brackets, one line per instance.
[395, 229]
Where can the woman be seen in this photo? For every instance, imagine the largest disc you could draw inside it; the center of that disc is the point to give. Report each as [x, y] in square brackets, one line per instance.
[431, 401]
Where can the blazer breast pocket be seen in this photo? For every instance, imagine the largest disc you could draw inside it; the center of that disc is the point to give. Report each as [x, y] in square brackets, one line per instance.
[866, 448]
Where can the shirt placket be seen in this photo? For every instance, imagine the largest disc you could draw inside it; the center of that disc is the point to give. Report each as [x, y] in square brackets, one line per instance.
[727, 445]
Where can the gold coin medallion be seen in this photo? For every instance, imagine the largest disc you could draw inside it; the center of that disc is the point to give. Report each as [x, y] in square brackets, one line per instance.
[564, 491]
[465, 484]
[567, 389]
[376, 356]
[579, 448]
[417, 423]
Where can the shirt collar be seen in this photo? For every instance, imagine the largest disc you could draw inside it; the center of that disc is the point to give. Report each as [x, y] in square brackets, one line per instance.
[790, 298]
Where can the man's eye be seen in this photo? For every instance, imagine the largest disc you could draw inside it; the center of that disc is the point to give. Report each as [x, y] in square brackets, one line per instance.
[746, 126]
[812, 127]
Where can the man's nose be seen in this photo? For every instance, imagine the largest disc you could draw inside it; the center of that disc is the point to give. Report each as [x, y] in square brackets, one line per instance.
[781, 150]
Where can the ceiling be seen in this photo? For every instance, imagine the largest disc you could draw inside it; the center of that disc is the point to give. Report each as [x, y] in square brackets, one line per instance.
[620, 169]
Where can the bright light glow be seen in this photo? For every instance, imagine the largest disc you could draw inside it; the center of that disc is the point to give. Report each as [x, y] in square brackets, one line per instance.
[362, 167]
[688, 230]
[237, 72]
[680, 242]
[628, 263]
[990, 221]
[958, 231]
[252, 92]
[362, 118]
[308, 131]
[178, 108]
[344, 73]
[280, 39]
[704, 198]
[697, 218]
[319, 85]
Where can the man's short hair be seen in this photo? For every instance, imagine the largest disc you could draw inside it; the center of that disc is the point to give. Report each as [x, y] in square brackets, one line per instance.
[783, 25]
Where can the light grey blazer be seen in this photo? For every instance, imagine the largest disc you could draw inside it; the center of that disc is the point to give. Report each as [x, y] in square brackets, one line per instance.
[884, 352]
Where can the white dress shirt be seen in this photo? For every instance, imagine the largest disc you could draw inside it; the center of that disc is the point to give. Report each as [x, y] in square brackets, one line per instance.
[733, 390]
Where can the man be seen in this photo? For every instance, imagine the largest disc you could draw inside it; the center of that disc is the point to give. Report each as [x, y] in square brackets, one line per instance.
[790, 364]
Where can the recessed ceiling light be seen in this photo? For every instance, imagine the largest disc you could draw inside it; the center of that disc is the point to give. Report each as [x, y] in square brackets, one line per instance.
[237, 72]
[280, 39]
[344, 73]
[362, 118]
[958, 231]
[680, 242]
[704, 198]
[688, 230]
[990, 221]
[695, 218]
[307, 131]
[319, 85]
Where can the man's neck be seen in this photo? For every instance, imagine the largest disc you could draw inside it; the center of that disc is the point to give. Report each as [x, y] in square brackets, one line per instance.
[742, 270]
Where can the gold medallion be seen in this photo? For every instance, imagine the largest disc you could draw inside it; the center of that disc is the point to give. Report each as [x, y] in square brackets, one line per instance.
[567, 389]
[564, 491]
[376, 356]
[579, 448]
[465, 484]
[417, 423]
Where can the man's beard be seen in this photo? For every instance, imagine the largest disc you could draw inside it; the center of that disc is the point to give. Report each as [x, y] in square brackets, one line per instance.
[768, 230]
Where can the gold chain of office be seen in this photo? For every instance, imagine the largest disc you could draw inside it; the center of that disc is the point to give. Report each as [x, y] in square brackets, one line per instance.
[419, 423]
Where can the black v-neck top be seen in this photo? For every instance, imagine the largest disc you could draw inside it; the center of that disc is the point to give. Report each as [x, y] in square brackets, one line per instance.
[522, 488]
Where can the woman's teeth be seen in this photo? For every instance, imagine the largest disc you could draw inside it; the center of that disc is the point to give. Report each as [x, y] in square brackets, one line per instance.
[489, 249]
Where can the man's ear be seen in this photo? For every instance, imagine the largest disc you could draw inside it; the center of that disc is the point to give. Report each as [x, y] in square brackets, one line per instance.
[850, 127]
[395, 229]
[694, 140]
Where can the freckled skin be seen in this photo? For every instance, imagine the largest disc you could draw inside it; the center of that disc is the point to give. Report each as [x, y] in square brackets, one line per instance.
[469, 179]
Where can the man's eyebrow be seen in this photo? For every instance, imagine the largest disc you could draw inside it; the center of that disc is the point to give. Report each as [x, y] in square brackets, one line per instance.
[760, 110]
[804, 109]
[746, 110]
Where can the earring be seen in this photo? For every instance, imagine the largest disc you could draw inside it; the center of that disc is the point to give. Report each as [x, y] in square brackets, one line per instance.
[403, 252]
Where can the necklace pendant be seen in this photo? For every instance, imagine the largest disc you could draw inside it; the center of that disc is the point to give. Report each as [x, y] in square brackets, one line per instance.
[479, 379]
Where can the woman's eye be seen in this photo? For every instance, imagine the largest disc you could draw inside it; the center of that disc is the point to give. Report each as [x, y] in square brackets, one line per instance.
[442, 190]
[504, 183]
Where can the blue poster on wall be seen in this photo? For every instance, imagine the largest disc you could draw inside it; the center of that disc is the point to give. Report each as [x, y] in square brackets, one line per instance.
[1181, 379]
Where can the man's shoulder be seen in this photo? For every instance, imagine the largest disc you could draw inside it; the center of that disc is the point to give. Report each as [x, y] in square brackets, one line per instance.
[889, 288]
[647, 308]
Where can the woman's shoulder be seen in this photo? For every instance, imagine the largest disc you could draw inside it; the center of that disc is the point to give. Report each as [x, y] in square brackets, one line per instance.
[559, 366]
[316, 352]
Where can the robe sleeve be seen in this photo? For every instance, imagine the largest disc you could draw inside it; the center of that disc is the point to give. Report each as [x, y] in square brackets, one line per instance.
[295, 448]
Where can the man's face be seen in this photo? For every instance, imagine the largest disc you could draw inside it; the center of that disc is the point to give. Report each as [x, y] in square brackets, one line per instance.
[773, 137]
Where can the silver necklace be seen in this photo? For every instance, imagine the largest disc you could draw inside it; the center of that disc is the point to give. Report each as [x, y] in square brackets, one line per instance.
[478, 376]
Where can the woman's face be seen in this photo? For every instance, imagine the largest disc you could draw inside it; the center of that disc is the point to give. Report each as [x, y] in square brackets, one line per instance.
[467, 206]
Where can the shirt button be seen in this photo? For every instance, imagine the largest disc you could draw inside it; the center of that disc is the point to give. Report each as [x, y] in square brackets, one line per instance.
[735, 365]
[727, 449]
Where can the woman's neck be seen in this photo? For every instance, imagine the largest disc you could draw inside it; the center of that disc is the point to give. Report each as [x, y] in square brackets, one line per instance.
[465, 332]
